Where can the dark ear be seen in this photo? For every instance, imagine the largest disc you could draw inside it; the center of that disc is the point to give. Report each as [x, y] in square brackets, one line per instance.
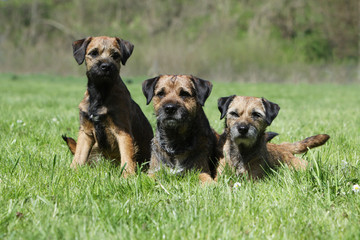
[126, 49]
[271, 110]
[202, 89]
[148, 87]
[79, 49]
[223, 104]
[270, 135]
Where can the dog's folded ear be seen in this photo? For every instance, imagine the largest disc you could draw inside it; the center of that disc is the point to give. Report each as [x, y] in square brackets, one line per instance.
[270, 135]
[223, 104]
[148, 87]
[126, 49]
[79, 49]
[271, 110]
[202, 88]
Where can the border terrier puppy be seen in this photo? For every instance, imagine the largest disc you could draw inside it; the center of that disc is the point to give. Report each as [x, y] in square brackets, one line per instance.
[184, 139]
[111, 123]
[244, 140]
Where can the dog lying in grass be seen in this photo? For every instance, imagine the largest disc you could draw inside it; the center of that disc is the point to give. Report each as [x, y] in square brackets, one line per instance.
[183, 139]
[244, 140]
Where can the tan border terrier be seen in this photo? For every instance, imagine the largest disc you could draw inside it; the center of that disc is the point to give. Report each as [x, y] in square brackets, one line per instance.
[183, 139]
[244, 140]
[111, 123]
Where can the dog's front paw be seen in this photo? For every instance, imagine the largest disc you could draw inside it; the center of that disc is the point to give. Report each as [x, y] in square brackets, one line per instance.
[205, 179]
[127, 173]
[73, 165]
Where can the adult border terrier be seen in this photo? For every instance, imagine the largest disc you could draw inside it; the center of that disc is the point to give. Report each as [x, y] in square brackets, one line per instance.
[244, 141]
[183, 139]
[111, 123]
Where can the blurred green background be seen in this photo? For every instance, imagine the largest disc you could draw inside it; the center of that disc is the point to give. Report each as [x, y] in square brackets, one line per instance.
[231, 40]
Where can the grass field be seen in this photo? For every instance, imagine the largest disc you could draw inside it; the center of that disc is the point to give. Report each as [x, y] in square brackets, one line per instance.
[42, 198]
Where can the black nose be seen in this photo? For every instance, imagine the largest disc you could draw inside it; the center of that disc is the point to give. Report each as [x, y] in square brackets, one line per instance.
[105, 66]
[170, 108]
[243, 128]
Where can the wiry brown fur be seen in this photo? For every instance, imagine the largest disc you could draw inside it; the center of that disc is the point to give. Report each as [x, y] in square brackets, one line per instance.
[184, 139]
[111, 123]
[245, 148]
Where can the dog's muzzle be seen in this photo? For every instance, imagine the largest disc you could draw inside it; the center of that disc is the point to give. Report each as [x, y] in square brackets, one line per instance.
[243, 133]
[243, 129]
[172, 115]
[107, 69]
[103, 71]
[170, 109]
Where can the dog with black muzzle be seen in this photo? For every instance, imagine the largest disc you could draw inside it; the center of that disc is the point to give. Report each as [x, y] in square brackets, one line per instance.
[184, 139]
[111, 123]
[245, 144]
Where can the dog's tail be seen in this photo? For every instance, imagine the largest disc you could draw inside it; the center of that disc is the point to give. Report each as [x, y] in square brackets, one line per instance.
[71, 143]
[306, 144]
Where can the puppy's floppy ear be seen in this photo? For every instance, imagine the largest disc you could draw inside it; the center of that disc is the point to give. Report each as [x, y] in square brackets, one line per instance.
[223, 104]
[271, 110]
[202, 89]
[126, 49]
[79, 49]
[148, 87]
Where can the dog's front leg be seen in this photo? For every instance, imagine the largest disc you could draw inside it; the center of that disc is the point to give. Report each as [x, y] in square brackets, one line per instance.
[201, 164]
[205, 177]
[154, 164]
[83, 148]
[220, 168]
[127, 152]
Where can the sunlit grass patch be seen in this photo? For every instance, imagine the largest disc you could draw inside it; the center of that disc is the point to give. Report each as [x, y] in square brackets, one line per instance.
[42, 198]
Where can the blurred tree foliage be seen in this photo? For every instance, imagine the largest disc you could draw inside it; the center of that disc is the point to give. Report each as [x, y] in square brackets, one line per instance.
[280, 31]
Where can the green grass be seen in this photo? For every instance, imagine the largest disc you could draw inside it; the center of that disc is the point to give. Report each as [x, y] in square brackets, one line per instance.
[42, 198]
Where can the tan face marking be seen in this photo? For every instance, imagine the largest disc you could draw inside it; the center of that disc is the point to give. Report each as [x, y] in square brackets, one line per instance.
[175, 89]
[103, 49]
[249, 112]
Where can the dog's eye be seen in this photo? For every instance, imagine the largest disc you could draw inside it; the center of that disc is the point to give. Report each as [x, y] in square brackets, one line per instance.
[234, 114]
[184, 94]
[116, 56]
[94, 53]
[160, 94]
[256, 115]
